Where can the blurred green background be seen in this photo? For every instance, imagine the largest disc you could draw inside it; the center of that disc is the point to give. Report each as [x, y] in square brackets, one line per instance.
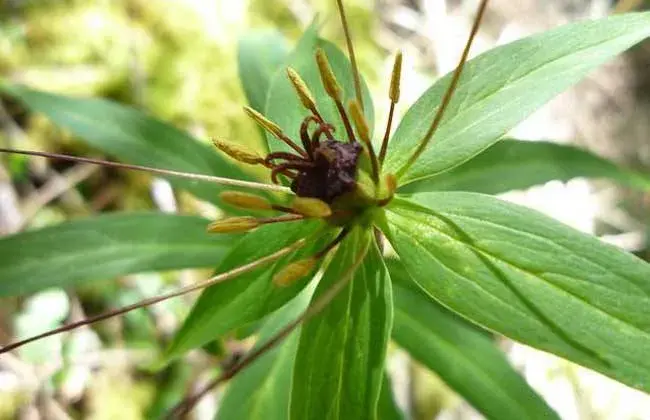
[177, 60]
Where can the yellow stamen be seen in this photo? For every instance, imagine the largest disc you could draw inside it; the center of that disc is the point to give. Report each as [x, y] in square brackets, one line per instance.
[245, 200]
[330, 83]
[238, 152]
[364, 132]
[393, 94]
[233, 224]
[391, 183]
[387, 190]
[311, 207]
[264, 122]
[302, 90]
[294, 272]
[395, 78]
[359, 121]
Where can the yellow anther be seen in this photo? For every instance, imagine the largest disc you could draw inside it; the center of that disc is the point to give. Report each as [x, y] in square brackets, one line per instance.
[294, 271]
[327, 76]
[311, 207]
[233, 224]
[394, 92]
[264, 122]
[245, 200]
[238, 152]
[359, 121]
[302, 90]
[391, 184]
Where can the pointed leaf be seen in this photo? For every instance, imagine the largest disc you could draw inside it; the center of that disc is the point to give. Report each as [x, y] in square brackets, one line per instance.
[104, 247]
[503, 86]
[340, 361]
[132, 136]
[259, 55]
[535, 280]
[263, 389]
[283, 106]
[465, 357]
[513, 165]
[252, 295]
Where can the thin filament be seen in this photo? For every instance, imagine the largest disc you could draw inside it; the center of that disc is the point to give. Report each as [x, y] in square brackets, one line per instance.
[147, 302]
[384, 142]
[167, 172]
[321, 303]
[353, 58]
[448, 93]
[346, 121]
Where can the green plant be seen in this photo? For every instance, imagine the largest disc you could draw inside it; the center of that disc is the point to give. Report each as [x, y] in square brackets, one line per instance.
[318, 278]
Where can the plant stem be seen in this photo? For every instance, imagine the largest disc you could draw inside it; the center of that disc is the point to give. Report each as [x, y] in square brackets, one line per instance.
[353, 58]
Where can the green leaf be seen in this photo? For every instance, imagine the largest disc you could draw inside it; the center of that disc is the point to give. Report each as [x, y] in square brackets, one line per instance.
[512, 165]
[465, 357]
[132, 136]
[263, 389]
[387, 408]
[340, 360]
[252, 295]
[259, 55]
[526, 276]
[104, 247]
[503, 86]
[283, 106]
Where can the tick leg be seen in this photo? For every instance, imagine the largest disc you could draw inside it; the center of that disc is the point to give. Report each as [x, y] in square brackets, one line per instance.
[283, 155]
[289, 165]
[304, 134]
[323, 128]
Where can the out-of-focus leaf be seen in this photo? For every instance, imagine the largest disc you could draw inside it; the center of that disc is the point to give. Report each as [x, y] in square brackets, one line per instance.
[529, 277]
[513, 164]
[252, 295]
[260, 54]
[264, 388]
[502, 87]
[104, 247]
[340, 360]
[132, 136]
[465, 357]
[387, 408]
[43, 311]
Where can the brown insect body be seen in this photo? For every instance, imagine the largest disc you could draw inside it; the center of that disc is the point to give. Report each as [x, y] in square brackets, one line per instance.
[326, 170]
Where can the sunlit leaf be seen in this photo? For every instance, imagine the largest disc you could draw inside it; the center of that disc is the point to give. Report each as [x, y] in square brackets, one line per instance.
[535, 280]
[250, 296]
[104, 247]
[264, 388]
[465, 357]
[512, 164]
[340, 361]
[503, 86]
[132, 136]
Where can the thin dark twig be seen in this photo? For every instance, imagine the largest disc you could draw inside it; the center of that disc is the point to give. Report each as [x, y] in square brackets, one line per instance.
[321, 303]
[167, 172]
[448, 93]
[147, 302]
